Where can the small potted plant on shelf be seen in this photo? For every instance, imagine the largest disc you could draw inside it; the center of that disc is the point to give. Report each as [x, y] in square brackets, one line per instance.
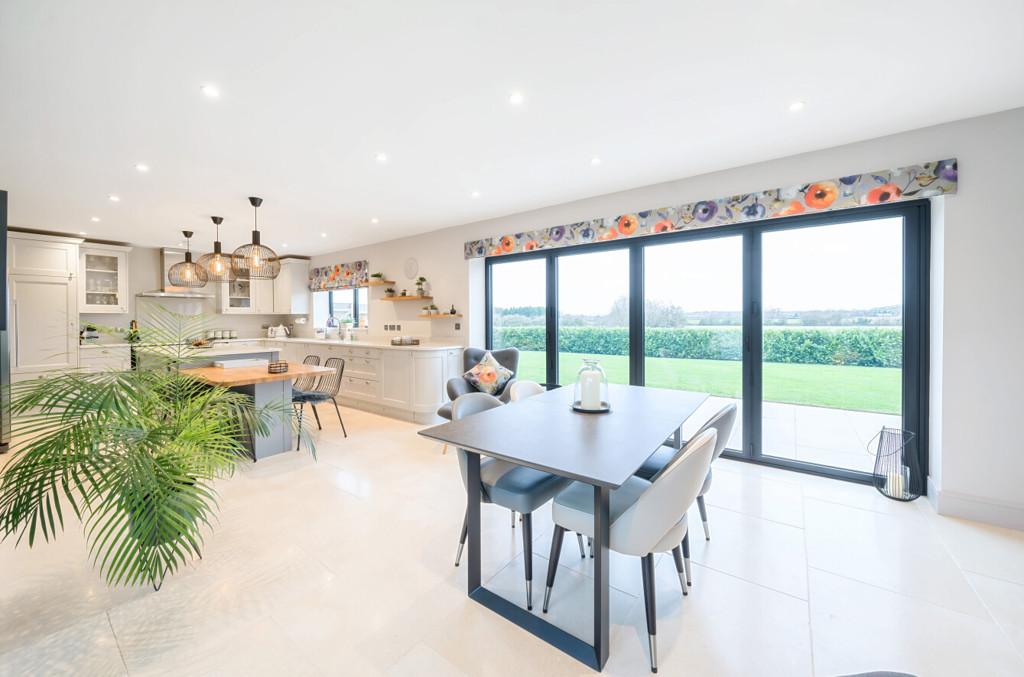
[434, 310]
[377, 276]
[420, 281]
[389, 292]
[404, 293]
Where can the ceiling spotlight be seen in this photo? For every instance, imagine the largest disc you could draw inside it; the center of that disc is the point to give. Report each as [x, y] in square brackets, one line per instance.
[375, 220]
[81, 232]
[475, 194]
[595, 160]
[95, 219]
[796, 106]
[284, 245]
[142, 168]
[113, 198]
[323, 234]
[210, 91]
[516, 98]
[382, 158]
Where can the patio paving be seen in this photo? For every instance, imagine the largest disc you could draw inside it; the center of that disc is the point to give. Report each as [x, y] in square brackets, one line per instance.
[834, 437]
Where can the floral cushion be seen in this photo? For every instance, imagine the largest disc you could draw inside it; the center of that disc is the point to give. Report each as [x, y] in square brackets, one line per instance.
[488, 376]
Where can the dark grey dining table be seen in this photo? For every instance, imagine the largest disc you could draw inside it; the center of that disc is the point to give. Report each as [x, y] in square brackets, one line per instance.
[602, 450]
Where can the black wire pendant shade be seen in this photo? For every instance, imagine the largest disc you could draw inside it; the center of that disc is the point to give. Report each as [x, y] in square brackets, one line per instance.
[187, 273]
[217, 264]
[255, 261]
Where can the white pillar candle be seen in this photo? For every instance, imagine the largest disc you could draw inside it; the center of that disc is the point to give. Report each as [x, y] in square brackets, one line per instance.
[894, 484]
[590, 390]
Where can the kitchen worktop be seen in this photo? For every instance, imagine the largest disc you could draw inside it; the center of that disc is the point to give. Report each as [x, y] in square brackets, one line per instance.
[120, 344]
[215, 351]
[369, 343]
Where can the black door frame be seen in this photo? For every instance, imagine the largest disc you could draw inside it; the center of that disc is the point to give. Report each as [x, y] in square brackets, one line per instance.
[916, 246]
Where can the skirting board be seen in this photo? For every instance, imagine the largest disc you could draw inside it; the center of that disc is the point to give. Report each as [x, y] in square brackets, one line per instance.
[391, 412]
[966, 506]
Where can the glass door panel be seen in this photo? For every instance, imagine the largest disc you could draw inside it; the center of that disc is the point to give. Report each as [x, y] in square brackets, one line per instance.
[832, 346]
[518, 307]
[593, 313]
[240, 294]
[693, 323]
[102, 283]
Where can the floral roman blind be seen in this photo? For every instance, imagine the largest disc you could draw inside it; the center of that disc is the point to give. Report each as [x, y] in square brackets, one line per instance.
[339, 276]
[846, 192]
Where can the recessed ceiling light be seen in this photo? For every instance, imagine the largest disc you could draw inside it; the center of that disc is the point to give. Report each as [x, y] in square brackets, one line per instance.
[595, 160]
[382, 158]
[81, 232]
[142, 168]
[516, 98]
[323, 234]
[284, 245]
[95, 219]
[475, 194]
[113, 198]
[375, 220]
[210, 91]
[796, 106]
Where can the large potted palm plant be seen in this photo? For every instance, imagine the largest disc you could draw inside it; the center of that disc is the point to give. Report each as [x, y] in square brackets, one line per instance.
[133, 455]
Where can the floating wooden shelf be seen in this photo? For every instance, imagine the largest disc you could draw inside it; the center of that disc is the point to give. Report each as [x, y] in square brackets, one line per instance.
[438, 316]
[396, 297]
[380, 283]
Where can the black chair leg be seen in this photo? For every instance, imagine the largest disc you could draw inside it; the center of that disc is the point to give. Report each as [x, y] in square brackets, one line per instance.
[462, 537]
[704, 517]
[298, 440]
[677, 555]
[345, 432]
[556, 551]
[579, 540]
[316, 416]
[686, 557]
[647, 569]
[528, 557]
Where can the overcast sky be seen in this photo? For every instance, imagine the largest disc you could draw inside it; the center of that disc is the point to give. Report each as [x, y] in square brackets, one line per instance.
[851, 266]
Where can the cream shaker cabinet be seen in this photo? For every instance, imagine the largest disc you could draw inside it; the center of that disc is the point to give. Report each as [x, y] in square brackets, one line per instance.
[42, 284]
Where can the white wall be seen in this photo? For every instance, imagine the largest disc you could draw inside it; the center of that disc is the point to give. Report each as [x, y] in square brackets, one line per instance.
[145, 273]
[977, 361]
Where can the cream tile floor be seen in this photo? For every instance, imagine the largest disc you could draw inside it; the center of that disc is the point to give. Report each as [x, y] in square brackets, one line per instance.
[343, 566]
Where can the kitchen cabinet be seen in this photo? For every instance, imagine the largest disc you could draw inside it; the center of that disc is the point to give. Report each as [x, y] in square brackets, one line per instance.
[395, 384]
[46, 255]
[43, 323]
[103, 279]
[291, 288]
[104, 358]
[429, 371]
[247, 297]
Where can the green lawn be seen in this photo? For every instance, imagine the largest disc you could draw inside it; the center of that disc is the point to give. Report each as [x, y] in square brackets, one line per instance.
[856, 388]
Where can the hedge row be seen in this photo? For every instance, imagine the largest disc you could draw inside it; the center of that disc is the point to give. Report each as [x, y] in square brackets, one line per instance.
[877, 347]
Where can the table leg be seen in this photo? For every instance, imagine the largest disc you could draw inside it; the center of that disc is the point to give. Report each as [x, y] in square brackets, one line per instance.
[601, 531]
[473, 520]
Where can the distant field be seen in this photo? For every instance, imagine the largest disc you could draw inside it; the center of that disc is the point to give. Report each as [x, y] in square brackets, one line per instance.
[876, 389]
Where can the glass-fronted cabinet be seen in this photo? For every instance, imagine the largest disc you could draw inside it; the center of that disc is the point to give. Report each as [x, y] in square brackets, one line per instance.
[103, 279]
[237, 297]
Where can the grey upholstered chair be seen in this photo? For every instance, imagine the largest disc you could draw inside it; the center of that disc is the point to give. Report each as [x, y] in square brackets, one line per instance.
[520, 390]
[506, 484]
[506, 357]
[722, 422]
[646, 517]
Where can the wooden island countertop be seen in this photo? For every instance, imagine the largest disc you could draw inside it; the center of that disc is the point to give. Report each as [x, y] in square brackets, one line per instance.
[247, 376]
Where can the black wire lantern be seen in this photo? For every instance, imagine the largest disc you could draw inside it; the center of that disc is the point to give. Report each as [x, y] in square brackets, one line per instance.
[255, 261]
[217, 264]
[187, 273]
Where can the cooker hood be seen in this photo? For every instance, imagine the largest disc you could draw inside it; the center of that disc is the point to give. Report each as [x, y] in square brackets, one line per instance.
[168, 257]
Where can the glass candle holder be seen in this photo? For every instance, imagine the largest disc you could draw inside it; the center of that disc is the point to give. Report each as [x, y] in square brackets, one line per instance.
[591, 392]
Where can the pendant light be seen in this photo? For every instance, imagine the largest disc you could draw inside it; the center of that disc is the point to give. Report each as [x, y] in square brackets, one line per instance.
[255, 261]
[217, 264]
[187, 273]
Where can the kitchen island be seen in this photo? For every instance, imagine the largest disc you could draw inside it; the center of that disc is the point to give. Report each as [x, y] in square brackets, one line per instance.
[405, 382]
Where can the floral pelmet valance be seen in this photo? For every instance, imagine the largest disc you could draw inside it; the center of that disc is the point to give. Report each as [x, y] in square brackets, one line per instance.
[846, 192]
[339, 276]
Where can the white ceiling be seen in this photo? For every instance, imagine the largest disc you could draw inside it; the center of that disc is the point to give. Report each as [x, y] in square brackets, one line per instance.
[312, 91]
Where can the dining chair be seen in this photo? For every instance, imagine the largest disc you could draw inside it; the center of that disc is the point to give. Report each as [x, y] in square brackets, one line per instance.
[646, 517]
[505, 484]
[522, 389]
[723, 422]
[326, 388]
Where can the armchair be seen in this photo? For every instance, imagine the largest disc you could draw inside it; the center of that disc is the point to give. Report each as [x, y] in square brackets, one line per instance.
[458, 386]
